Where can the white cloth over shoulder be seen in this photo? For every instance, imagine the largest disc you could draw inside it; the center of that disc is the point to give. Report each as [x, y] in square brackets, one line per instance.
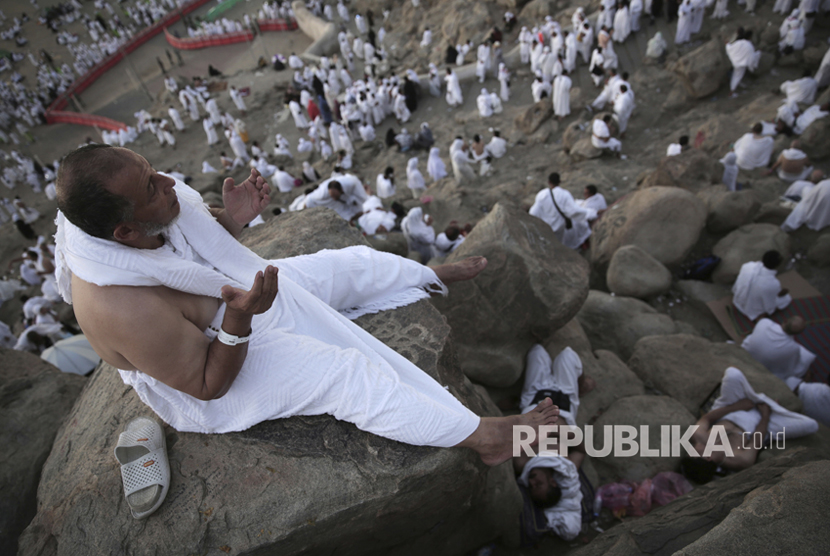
[813, 209]
[753, 152]
[304, 357]
[735, 387]
[778, 351]
[756, 291]
[565, 518]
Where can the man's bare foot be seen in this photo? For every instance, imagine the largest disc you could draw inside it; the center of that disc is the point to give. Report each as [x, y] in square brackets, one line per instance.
[467, 269]
[493, 439]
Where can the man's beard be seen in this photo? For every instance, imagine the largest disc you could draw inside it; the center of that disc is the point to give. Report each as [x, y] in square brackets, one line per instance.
[152, 229]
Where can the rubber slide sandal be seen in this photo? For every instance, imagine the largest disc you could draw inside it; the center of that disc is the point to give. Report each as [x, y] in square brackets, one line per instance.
[145, 471]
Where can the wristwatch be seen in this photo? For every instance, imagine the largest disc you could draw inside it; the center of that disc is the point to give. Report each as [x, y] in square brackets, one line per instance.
[231, 340]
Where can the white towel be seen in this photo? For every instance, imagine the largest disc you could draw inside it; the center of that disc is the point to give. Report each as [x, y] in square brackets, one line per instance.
[304, 358]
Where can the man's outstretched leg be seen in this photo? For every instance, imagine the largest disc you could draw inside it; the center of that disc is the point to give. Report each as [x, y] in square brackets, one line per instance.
[467, 269]
[493, 439]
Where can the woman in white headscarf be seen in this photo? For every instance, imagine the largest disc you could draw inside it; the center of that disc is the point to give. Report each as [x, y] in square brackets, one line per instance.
[414, 178]
[434, 81]
[435, 166]
[417, 228]
[730, 170]
[485, 109]
[504, 80]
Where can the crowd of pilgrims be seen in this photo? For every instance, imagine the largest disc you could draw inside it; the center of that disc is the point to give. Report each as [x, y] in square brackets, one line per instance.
[334, 110]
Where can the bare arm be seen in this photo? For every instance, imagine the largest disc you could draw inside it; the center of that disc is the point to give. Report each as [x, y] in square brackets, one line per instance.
[243, 202]
[157, 338]
[717, 414]
[746, 453]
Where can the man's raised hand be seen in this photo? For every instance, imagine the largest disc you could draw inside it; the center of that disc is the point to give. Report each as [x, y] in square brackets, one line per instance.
[245, 201]
[259, 298]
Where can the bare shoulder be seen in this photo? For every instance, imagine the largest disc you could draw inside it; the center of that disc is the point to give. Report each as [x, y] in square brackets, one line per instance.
[151, 329]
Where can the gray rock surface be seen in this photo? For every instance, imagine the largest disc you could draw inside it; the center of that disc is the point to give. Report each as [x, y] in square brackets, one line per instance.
[663, 221]
[692, 169]
[747, 243]
[668, 529]
[815, 139]
[304, 484]
[819, 252]
[637, 411]
[703, 70]
[689, 368]
[729, 209]
[532, 286]
[616, 323]
[786, 514]
[35, 398]
[635, 273]
[534, 116]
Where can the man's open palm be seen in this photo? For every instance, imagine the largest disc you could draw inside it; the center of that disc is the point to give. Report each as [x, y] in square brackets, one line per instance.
[246, 201]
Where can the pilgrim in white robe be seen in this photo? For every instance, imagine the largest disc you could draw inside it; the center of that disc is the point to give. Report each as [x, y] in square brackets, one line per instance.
[453, 95]
[414, 178]
[735, 387]
[756, 290]
[601, 137]
[207, 124]
[435, 166]
[813, 210]
[545, 208]
[782, 6]
[374, 216]
[485, 109]
[815, 397]
[596, 67]
[753, 152]
[350, 202]
[562, 96]
[419, 235]
[698, 11]
[799, 189]
[283, 180]
[443, 246]
[800, 90]
[304, 357]
[622, 24]
[461, 163]
[721, 10]
[497, 147]
[656, 46]
[822, 76]
[730, 170]
[778, 351]
[525, 40]
[635, 9]
[585, 41]
[810, 115]
[684, 23]
[539, 89]
[623, 106]
[743, 56]
[384, 187]
[504, 83]
[176, 117]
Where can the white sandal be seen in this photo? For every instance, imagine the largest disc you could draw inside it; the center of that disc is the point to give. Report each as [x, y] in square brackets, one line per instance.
[145, 471]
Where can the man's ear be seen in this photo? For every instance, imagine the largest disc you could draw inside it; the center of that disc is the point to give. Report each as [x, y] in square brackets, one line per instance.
[126, 231]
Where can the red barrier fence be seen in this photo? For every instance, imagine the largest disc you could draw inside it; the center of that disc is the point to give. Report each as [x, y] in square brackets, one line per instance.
[195, 43]
[276, 24]
[61, 117]
[83, 82]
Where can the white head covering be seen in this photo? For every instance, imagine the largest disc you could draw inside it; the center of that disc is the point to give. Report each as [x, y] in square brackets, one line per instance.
[415, 180]
[435, 166]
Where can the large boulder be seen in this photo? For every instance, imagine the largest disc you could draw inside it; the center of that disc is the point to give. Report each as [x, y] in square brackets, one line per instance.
[719, 132]
[689, 368]
[635, 273]
[653, 412]
[35, 397]
[465, 20]
[616, 323]
[532, 286]
[747, 243]
[815, 139]
[584, 149]
[534, 116]
[787, 514]
[307, 485]
[665, 222]
[704, 69]
[692, 169]
[729, 209]
[667, 529]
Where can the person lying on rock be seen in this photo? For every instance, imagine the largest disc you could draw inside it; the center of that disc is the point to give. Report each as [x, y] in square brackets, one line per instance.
[749, 420]
[553, 479]
[213, 342]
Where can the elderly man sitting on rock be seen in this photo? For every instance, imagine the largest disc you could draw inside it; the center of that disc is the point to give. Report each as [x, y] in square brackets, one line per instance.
[553, 479]
[757, 291]
[748, 420]
[213, 342]
[754, 149]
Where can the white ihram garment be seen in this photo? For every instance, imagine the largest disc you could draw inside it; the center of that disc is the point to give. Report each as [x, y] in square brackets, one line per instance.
[304, 357]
